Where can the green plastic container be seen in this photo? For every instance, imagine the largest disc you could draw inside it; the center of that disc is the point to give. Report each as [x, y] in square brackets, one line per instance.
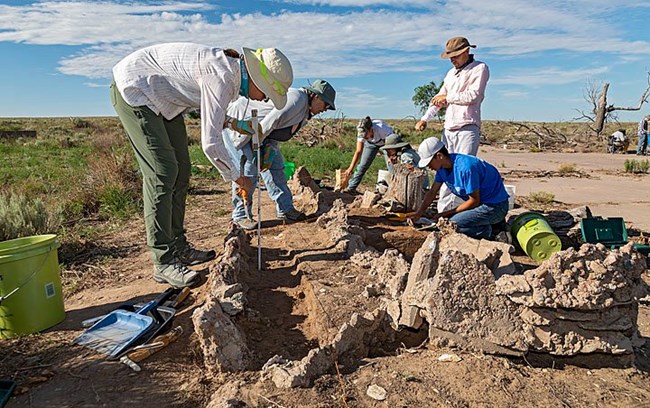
[535, 236]
[289, 168]
[30, 287]
[608, 231]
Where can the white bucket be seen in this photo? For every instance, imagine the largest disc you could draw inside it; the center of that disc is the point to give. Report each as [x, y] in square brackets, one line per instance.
[512, 192]
[383, 175]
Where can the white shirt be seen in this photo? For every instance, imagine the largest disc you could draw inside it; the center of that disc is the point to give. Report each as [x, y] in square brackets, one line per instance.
[171, 78]
[380, 131]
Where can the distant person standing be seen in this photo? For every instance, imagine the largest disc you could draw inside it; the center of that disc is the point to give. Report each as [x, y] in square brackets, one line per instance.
[642, 144]
[461, 93]
[371, 136]
[151, 90]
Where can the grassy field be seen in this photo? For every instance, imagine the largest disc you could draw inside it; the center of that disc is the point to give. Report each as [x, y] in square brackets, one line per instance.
[80, 169]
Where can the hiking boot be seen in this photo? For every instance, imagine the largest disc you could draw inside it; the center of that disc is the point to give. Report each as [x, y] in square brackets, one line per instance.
[352, 191]
[175, 274]
[247, 224]
[293, 215]
[504, 236]
[192, 256]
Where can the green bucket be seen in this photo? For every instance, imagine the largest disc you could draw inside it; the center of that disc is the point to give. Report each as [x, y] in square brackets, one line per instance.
[289, 168]
[535, 236]
[30, 287]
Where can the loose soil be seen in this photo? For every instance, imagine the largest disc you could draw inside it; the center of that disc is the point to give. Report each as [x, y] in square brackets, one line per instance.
[304, 293]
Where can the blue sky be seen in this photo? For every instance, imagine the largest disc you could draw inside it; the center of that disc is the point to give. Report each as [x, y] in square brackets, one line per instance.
[57, 55]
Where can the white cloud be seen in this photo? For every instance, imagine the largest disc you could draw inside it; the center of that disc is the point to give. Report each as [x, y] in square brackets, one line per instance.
[548, 76]
[368, 102]
[97, 85]
[329, 42]
[514, 94]
[364, 3]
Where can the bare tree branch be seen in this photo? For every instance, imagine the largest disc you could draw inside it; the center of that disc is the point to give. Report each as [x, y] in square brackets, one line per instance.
[601, 111]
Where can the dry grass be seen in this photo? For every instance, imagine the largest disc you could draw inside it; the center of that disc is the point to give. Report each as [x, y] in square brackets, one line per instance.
[567, 168]
[541, 198]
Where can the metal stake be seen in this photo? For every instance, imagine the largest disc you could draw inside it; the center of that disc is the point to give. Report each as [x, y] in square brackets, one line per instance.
[256, 147]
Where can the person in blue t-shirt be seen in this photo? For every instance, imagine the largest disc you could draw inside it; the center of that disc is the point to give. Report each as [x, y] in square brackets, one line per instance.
[470, 178]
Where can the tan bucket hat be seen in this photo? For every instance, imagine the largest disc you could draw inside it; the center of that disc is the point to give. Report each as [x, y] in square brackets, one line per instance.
[271, 71]
[456, 46]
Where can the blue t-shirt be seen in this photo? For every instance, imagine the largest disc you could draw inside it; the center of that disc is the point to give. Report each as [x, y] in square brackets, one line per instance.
[469, 174]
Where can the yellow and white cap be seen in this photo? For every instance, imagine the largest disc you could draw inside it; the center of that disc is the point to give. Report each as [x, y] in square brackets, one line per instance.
[270, 70]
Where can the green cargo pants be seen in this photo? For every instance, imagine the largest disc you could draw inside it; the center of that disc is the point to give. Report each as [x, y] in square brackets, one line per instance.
[160, 146]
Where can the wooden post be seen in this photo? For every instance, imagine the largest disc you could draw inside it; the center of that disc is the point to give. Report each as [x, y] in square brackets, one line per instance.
[405, 186]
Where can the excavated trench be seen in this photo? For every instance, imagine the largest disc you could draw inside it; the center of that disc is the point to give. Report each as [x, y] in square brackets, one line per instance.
[343, 288]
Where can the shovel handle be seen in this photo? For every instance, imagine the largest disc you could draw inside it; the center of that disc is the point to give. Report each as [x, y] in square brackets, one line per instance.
[180, 298]
[162, 340]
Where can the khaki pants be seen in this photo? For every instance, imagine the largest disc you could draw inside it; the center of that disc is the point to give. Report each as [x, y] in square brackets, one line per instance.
[160, 146]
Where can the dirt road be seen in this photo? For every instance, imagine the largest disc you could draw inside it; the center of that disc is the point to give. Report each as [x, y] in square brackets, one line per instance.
[605, 188]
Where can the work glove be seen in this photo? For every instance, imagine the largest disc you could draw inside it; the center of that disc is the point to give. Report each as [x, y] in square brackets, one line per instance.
[244, 127]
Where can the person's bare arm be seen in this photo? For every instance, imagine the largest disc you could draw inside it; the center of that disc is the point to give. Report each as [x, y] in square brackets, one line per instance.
[355, 159]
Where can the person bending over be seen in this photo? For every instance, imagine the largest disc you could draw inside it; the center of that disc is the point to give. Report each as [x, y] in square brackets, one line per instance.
[152, 88]
[371, 135]
[475, 181]
[278, 125]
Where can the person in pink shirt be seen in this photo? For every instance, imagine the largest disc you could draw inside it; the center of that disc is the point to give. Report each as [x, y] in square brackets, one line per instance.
[461, 93]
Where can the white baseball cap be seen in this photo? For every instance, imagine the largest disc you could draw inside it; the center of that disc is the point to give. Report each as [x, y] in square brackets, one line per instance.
[427, 149]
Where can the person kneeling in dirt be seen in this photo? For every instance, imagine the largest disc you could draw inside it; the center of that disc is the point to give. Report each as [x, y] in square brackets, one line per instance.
[151, 90]
[399, 151]
[278, 125]
[618, 142]
[371, 135]
[470, 178]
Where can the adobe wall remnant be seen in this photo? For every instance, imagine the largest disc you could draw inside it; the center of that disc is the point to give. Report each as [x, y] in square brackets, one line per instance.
[579, 302]
[224, 345]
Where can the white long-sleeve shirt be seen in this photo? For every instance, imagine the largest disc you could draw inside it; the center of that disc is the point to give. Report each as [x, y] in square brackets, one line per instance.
[171, 78]
[465, 90]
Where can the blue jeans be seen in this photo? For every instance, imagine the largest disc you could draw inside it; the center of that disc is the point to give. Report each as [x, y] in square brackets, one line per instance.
[274, 179]
[477, 222]
[642, 145]
[367, 156]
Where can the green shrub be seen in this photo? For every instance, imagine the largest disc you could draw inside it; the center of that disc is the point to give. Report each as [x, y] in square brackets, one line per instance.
[634, 166]
[22, 217]
[541, 197]
[117, 202]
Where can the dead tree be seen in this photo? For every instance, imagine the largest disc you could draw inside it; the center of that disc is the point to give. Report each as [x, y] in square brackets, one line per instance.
[405, 186]
[601, 111]
[546, 136]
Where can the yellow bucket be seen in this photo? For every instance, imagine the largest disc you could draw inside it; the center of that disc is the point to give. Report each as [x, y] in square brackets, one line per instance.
[535, 236]
[31, 299]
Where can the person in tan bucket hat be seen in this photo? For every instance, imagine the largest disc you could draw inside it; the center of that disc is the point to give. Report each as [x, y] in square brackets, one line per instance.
[152, 88]
[461, 93]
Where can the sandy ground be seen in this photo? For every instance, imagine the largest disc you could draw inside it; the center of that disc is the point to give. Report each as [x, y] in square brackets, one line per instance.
[606, 189]
[305, 292]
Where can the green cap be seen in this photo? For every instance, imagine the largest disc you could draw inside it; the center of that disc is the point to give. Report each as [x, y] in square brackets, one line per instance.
[324, 90]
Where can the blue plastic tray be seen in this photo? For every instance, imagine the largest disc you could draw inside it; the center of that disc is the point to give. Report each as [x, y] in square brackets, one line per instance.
[117, 331]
